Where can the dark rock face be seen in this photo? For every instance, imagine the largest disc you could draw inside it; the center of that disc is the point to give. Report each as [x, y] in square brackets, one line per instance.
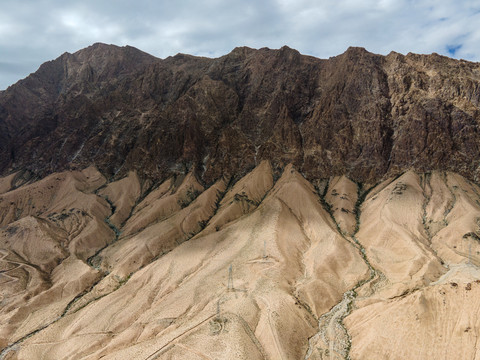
[359, 114]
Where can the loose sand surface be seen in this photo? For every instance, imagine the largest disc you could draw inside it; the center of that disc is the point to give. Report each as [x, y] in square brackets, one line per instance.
[253, 269]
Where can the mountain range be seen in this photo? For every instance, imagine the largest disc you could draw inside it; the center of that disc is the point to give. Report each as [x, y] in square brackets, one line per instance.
[260, 205]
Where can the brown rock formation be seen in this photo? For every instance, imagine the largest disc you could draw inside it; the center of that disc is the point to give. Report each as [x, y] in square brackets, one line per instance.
[357, 114]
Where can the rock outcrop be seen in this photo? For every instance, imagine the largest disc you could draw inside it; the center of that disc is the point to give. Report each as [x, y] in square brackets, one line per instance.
[357, 114]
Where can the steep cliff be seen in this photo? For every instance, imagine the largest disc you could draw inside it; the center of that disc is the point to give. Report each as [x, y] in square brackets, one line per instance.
[358, 114]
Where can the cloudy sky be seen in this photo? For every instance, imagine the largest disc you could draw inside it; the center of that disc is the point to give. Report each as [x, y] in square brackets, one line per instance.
[34, 31]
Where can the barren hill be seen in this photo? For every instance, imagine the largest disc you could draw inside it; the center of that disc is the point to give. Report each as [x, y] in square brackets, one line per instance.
[262, 205]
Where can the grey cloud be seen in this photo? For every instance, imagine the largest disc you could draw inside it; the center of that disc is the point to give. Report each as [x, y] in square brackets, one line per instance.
[32, 32]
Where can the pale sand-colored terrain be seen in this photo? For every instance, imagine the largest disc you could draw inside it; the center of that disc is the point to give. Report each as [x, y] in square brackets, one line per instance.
[122, 194]
[254, 269]
[426, 303]
[6, 183]
[342, 196]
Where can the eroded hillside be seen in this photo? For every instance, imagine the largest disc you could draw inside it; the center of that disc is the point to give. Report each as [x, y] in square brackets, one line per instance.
[263, 267]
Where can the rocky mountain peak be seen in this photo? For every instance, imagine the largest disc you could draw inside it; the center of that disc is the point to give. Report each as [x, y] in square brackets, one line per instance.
[360, 114]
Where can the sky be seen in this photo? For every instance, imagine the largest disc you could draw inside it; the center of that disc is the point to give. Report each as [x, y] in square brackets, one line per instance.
[35, 31]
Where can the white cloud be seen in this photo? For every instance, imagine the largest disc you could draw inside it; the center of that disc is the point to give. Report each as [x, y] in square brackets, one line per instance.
[33, 31]
[84, 27]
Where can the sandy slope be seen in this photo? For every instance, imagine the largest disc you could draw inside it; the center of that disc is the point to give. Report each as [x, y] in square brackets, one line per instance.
[426, 304]
[254, 270]
[6, 183]
[437, 322]
[163, 202]
[244, 197]
[393, 234]
[123, 194]
[53, 226]
[342, 197]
